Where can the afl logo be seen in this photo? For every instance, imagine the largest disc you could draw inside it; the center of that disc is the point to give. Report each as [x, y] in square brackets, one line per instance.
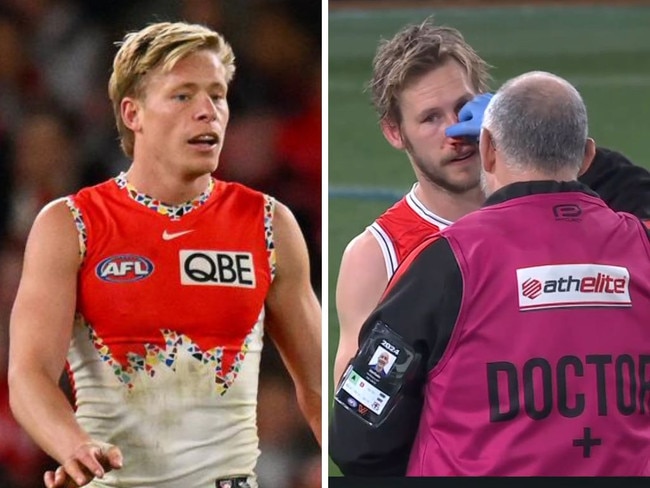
[124, 268]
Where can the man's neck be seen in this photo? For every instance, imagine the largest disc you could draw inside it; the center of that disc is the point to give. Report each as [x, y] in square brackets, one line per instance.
[168, 188]
[448, 205]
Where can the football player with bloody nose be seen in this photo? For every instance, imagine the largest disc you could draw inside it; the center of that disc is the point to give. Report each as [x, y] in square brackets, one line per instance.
[544, 265]
[430, 88]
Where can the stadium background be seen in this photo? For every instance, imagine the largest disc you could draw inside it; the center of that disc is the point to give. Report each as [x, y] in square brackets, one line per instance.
[604, 50]
[57, 134]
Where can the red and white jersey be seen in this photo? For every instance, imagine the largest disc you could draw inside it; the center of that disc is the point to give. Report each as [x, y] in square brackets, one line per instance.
[402, 227]
[166, 346]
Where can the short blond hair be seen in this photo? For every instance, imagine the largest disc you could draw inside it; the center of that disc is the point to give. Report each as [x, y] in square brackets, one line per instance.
[161, 44]
[414, 51]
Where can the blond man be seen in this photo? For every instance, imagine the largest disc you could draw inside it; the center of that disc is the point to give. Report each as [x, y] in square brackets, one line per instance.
[157, 286]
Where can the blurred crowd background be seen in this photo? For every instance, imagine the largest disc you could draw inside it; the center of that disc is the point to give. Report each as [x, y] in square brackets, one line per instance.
[57, 134]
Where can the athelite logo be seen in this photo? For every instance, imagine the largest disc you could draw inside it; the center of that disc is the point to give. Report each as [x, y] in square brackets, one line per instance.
[573, 285]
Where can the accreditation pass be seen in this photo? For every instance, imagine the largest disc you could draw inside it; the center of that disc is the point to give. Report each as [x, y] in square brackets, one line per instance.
[361, 391]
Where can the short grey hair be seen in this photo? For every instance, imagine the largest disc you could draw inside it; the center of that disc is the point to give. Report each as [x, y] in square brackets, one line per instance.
[538, 121]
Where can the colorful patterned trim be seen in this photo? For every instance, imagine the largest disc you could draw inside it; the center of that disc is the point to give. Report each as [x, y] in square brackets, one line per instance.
[156, 357]
[174, 212]
[269, 209]
[81, 226]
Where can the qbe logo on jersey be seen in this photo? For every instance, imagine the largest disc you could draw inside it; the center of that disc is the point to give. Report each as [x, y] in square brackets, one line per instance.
[217, 268]
[573, 285]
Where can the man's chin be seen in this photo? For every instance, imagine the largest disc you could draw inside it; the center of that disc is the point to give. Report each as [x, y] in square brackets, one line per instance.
[464, 180]
[203, 166]
[466, 187]
[458, 186]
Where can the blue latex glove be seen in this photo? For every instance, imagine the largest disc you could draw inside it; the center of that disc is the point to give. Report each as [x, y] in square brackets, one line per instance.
[470, 118]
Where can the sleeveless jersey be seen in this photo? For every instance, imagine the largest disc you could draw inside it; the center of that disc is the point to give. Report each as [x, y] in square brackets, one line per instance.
[402, 227]
[164, 359]
[551, 349]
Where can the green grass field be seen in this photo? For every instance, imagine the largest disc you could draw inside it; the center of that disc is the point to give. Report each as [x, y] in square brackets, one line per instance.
[603, 51]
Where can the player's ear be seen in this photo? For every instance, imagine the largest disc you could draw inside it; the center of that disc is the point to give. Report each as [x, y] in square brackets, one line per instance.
[590, 153]
[392, 132]
[130, 112]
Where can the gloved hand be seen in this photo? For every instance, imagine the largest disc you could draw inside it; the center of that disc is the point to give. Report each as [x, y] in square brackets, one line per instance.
[470, 118]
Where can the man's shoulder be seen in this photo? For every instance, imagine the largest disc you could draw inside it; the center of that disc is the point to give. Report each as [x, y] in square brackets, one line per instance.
[94, 192]
[363, 247]
[409, 218]
[242, 199]
[238, 189]
[398, 209]
[609, 163]
[362, 265]
[623, 185]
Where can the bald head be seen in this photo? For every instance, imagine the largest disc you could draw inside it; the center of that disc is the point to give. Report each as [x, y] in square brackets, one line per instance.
[538, 122]
[538, 85]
